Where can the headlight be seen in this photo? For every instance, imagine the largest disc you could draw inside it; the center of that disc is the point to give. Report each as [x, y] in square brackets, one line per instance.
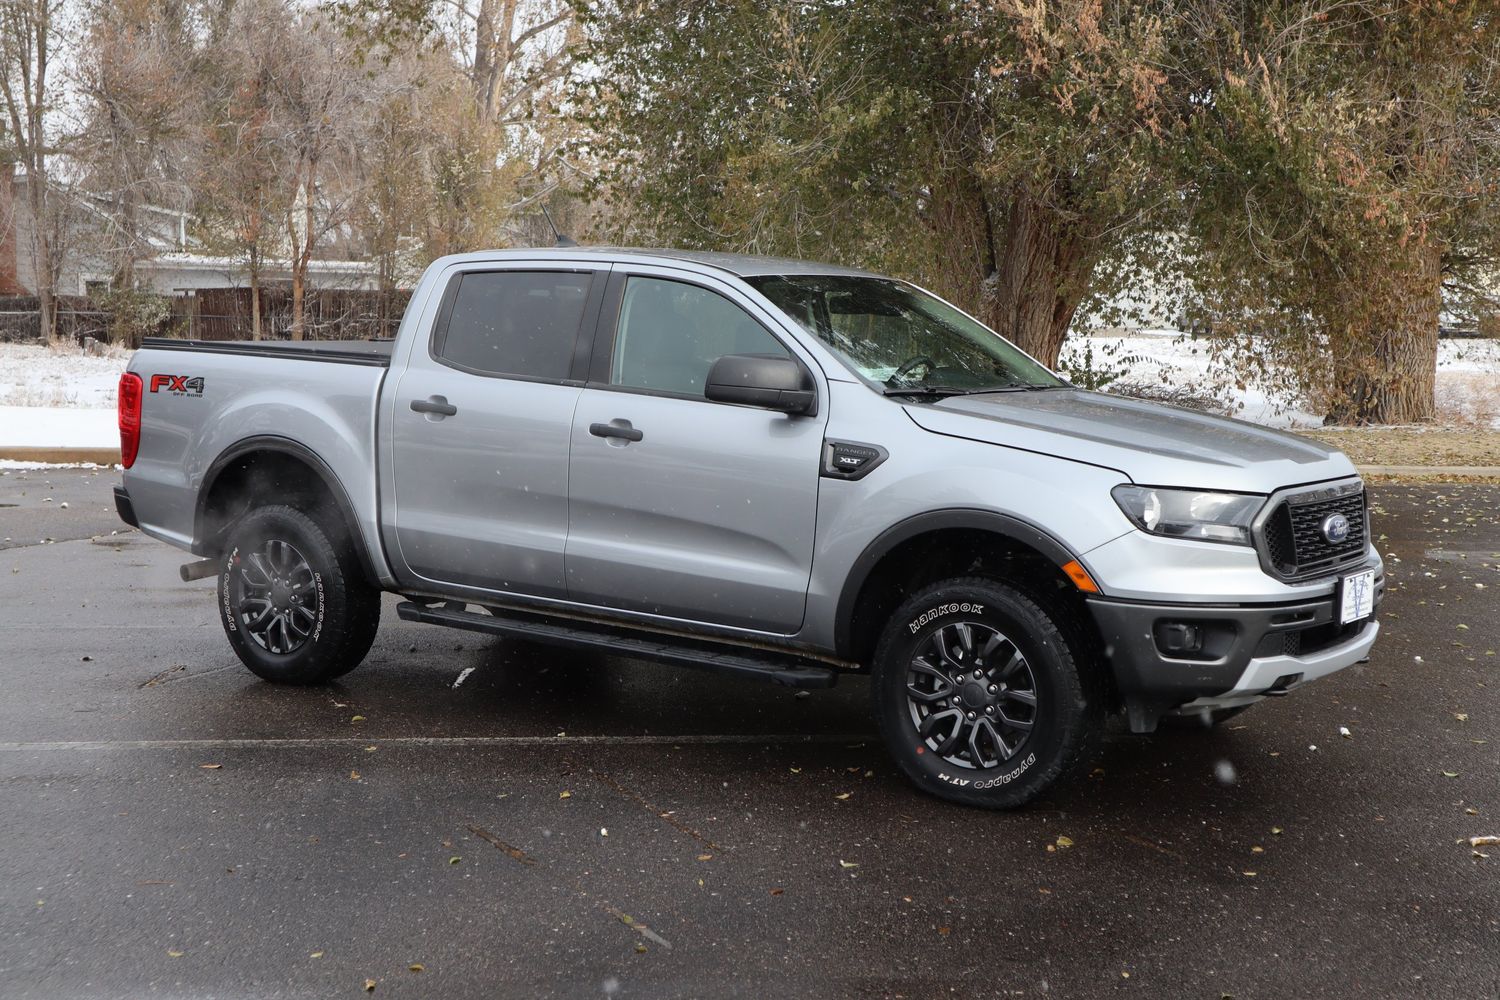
[1205, 517]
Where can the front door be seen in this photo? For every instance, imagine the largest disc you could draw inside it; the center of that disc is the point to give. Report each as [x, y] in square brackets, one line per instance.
[679, 506]
[483, 415]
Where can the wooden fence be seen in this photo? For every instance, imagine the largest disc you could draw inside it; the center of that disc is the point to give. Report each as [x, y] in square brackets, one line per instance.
[214, 314]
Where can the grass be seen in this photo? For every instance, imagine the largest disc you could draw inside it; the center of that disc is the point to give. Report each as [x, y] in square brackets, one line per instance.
[1428, 446]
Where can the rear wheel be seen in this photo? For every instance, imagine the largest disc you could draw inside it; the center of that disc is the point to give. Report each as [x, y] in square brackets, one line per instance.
[294, 603]
[978, 694]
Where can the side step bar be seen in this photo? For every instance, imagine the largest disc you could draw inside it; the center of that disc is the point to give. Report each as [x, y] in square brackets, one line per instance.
[785, 669]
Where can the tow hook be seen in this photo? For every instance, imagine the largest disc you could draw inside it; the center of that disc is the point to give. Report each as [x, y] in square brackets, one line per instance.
[198, 570]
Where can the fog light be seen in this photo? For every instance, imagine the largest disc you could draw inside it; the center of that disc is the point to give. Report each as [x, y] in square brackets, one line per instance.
[1179, 637]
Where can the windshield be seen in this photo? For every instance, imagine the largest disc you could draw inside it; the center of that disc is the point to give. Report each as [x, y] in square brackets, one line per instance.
[901, 338]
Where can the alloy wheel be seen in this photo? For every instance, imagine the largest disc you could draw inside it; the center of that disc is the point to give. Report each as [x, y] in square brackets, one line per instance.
[972, 695]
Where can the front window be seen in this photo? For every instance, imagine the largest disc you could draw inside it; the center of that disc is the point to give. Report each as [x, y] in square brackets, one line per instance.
[902, 339]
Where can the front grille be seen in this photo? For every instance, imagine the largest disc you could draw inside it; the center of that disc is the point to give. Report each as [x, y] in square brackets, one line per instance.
[1293, 534]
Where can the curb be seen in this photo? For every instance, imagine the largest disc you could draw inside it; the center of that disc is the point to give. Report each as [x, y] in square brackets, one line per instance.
[1431, 471]
[61, 456]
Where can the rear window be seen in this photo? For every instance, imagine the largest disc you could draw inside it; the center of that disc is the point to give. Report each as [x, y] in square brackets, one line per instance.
[520, 323]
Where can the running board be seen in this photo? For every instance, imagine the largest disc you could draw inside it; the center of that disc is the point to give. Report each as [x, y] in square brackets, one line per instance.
[787, 669]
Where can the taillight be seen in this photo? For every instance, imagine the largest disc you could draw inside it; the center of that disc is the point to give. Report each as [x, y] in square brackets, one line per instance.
[129, 401]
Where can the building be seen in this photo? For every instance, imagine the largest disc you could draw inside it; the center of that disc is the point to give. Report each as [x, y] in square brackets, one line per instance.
[175, 262]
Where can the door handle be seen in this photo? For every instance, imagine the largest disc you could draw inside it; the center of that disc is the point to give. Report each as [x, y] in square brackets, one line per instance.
[434, 404]
[619, 429]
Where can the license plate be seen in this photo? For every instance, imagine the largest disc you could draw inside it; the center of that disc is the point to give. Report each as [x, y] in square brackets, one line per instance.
[1356, 597]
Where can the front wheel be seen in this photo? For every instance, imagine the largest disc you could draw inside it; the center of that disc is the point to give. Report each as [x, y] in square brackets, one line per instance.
[293, 603]
[978, 694]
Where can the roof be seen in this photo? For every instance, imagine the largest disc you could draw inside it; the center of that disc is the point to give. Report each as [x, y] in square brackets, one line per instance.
[741, 265]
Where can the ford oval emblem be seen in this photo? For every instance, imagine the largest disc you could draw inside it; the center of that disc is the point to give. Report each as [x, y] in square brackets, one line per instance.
[1336, 528]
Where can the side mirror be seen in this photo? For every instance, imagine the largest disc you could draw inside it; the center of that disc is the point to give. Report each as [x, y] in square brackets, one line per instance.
[765, 380]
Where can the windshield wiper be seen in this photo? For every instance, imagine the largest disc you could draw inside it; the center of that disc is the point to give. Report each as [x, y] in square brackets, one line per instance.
[937, 391]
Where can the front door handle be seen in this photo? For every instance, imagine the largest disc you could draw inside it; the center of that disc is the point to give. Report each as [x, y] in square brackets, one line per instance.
[434, 404]
[616, 429]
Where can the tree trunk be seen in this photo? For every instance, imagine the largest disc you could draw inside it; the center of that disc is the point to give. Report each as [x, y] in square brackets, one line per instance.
[255, 331]
[297, 295]
[1042, 277]
[1390, 375]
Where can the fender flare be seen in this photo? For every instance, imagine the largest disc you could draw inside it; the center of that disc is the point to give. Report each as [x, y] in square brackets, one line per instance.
[1014, 528]
[203, 546]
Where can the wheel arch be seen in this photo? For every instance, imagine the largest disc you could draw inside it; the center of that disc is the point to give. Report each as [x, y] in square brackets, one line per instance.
[913, 553]
[257, 466]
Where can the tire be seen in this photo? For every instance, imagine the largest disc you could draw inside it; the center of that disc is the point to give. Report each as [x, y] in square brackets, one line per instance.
[294, 604]
[1031, 660]
[1201, 720]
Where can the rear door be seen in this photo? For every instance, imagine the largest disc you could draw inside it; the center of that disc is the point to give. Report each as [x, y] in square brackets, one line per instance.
[481, 425]
[687, 508]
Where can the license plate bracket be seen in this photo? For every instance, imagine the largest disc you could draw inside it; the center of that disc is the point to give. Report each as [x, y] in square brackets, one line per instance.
[1356, 596]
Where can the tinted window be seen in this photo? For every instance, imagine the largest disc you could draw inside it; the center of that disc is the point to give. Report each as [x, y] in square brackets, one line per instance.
[516, 322]
[671, 333]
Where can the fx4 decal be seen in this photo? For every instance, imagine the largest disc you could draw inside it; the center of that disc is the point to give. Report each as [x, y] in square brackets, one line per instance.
[178, 385]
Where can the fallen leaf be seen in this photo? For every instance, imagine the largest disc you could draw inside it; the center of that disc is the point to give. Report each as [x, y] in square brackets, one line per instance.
[416, 967]
[565, 795]
[796, 770]
[1250, 874]
[777, 892]
[1064, 842]
[361, 718]
[454, 860]
[1489, 840]
[316, 954]
[174, 953]
[1450, 774]
[604, 831]
[210, 767]
[844, 796]
[1344, 732]
[945, 931]
[640, 949]
[1461, 716]
[1471, 811]
[353, 775]
[369, 986]
[1275, 831]
[705, 857]
[1257, 849]
[848, 864]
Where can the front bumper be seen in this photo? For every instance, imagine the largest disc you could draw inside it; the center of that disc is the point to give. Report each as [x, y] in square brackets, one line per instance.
[1249, 651]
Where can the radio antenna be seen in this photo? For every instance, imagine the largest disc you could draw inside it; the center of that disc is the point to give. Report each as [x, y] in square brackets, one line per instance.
[562, 241]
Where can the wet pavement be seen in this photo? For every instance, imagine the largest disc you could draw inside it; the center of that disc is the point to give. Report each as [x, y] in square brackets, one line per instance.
[576, 826]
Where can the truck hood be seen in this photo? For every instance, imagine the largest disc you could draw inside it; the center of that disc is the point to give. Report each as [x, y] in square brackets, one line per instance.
[1152, 444]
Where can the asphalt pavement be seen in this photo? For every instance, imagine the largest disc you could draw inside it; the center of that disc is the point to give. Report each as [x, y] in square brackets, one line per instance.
[469, 817]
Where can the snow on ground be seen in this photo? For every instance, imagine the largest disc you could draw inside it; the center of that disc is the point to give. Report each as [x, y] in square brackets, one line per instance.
[1468, 376]
[31, 375]
[58, 427]
[63, 398]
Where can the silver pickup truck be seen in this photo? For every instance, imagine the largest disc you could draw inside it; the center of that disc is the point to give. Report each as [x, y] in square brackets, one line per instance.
[767, 467]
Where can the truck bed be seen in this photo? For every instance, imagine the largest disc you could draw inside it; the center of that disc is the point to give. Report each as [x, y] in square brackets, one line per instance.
[348, 352]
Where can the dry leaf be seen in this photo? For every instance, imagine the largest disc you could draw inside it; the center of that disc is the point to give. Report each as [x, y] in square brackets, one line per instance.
[1450, 774]
[848, 864]
[777, 892]
[1488, 840]
[353, 775]
[565, 795]
[316, 954]
[705, 857]
[454, 860]
[416, 967]
[1064, 842]
[174, 953]
[844, 796]
[210, 767]
[371, 982]
[369, 986]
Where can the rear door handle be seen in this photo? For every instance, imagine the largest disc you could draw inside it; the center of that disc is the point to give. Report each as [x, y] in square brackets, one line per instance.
[434, 404]
[616, 429]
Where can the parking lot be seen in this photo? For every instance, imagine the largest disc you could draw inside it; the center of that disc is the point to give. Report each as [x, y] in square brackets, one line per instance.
[472, 817]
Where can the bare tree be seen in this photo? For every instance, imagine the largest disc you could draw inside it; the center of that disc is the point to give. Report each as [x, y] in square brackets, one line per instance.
[26, 34]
